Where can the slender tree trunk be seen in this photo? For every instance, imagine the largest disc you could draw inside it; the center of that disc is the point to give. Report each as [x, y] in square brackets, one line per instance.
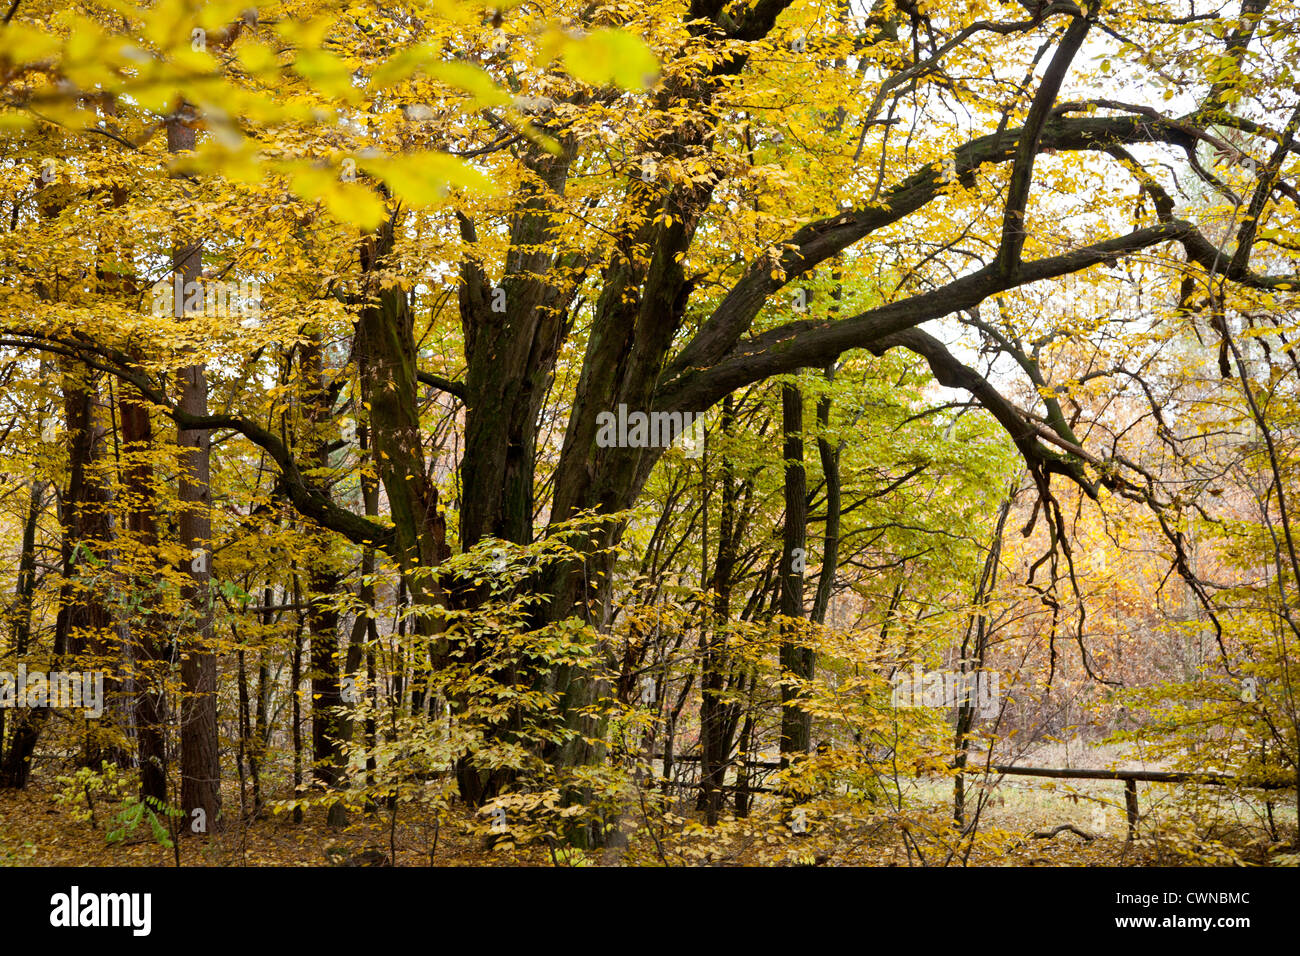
[83, 627]
[261, 722]
[743, 749]
[16, 764]
[150, 652]
[327, 727]
[365, 632]
[200, 757]
[245, 730]
[718, 716]
[973, 648]
[295, 684]
[795, 656]
[830, 459]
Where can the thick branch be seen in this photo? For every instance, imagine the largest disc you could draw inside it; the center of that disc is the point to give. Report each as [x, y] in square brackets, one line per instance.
[815, 342]
[457, 389]
[308, 499]
[1013, 216]
[818, 241]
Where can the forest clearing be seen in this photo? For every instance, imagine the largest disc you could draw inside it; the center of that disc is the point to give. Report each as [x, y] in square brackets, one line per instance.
[692, 433]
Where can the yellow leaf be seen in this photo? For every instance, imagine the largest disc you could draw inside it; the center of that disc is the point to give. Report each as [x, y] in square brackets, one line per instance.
[257, 57]
[471, 79]
[346, 202]
[609, 56]
[420, 179]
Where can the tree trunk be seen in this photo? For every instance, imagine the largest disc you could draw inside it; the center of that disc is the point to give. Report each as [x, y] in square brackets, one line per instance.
[150, 652]
[200, 757]
[795, 656]
[83, 625]
[82, 622]
[16, 763]
[295, 683]
[327, 727]
[973, 647]
[830, 459]
[718, 717]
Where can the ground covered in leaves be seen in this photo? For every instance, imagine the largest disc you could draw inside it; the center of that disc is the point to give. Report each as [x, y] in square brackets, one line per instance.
[1015, 829]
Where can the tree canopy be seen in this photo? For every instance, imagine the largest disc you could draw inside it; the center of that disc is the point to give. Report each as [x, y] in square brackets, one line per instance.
[571, 419]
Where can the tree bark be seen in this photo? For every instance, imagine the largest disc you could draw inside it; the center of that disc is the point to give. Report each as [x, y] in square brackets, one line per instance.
[83, 627]
[718, 673]
[830, 459]
[327, 725]
[973, 647]
[150, 651]
[200, 757]
[15, 766]
[796, 657]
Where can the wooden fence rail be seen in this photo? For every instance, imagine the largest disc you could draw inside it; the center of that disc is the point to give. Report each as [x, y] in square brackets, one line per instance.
[1130, 778]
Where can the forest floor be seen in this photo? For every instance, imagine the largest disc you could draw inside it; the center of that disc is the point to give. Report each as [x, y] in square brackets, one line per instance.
[1178, 826]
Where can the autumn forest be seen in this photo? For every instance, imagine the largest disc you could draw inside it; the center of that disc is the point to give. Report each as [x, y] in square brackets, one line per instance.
[679, 433]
